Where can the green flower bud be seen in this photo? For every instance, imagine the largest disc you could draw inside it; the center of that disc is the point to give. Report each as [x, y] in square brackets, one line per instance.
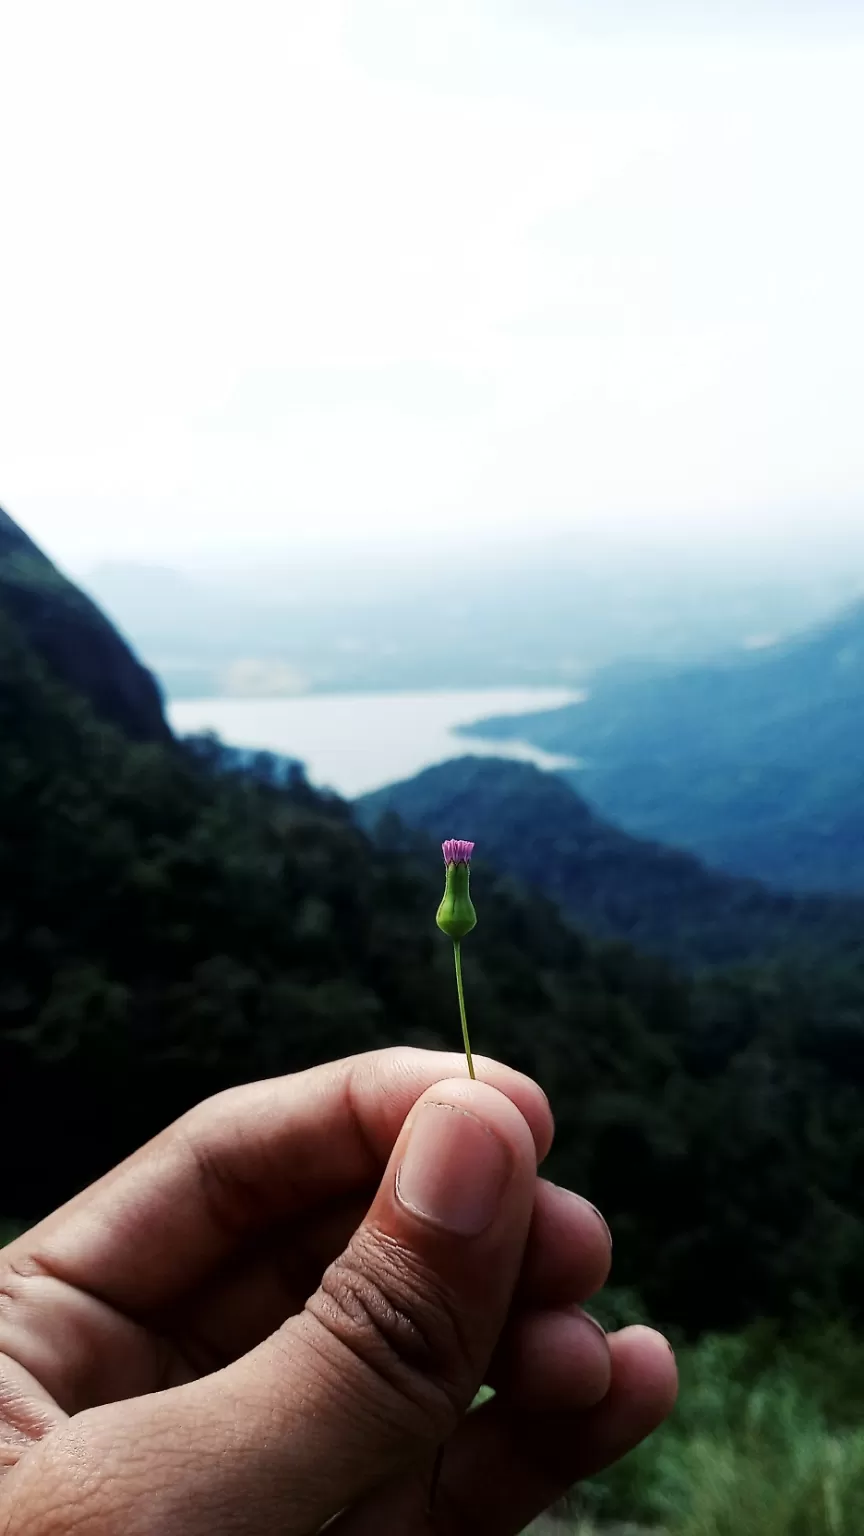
[456, 915]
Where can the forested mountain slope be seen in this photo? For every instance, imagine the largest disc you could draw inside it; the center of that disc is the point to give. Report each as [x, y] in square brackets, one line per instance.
[756, 764]
[537, 827]
[74, 638]
[171, 923]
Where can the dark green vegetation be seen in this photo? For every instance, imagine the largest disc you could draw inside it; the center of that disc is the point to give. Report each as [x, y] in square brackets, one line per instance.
[536, 827]
[755, 764]
[75, 639]
[767, 1440]
[171, 923]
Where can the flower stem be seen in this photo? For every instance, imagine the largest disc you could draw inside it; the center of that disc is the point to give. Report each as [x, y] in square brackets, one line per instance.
[457, 954]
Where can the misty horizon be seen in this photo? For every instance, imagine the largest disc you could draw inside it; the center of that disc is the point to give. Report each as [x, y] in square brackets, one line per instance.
[431, 277]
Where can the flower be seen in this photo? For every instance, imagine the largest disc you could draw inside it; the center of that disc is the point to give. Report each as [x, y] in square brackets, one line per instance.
[457, 851]
[456, 915]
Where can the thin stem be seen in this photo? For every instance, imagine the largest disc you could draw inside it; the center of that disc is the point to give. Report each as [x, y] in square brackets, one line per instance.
[457, 952]
[457, 955]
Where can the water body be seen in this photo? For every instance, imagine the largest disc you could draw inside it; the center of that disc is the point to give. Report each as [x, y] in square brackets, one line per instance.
[356, 742]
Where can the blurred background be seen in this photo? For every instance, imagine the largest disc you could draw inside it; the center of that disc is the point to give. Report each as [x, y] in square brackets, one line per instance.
[445, 419]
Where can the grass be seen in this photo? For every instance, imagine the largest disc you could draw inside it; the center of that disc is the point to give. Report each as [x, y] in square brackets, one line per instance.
[767, 1440]
[10, 1229]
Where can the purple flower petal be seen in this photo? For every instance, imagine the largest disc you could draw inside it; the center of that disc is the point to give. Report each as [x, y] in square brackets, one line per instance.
[457, 851]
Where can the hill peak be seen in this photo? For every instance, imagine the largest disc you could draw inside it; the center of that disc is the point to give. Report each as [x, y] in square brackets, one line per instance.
[532, 824]
[73, 638]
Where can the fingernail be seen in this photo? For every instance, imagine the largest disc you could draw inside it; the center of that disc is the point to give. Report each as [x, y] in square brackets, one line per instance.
[602, 1220]
[571, 1193]
[454, 1170]
[594, 1323]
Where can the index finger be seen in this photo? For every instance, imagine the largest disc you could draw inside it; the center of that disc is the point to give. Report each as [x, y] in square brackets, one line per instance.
[156, 1226]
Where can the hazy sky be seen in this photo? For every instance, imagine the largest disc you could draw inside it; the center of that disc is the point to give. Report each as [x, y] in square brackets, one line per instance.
[276, 270]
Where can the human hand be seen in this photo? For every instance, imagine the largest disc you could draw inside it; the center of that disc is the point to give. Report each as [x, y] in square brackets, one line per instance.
[272, 1315]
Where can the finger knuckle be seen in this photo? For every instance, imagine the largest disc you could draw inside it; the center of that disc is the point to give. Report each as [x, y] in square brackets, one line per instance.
[401, 1324]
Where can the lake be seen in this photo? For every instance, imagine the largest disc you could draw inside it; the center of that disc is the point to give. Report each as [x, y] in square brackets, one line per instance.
[356, 742]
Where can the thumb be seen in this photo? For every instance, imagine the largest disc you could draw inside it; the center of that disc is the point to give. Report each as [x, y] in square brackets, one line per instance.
[374, 1373]
[391, 1349]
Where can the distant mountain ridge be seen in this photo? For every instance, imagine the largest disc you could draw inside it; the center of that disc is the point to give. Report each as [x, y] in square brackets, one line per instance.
[548, 612]
[534, 826]
[755, 764]
[74, 639]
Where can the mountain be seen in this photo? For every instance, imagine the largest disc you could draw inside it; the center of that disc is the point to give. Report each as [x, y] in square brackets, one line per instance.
[534, 611]
[74, 638]
[171, 924]
[536, 827]
[173, 921]
[755, 764]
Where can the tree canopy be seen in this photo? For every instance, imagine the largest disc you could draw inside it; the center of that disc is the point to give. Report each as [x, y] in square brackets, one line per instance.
[173, 920]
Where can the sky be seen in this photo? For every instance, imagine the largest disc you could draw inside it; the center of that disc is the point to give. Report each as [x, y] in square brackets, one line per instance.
[278, 275]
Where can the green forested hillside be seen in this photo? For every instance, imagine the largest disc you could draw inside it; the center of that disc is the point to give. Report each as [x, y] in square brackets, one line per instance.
[169, 924]
[75, 639]
[534, 825]
[754, 764]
